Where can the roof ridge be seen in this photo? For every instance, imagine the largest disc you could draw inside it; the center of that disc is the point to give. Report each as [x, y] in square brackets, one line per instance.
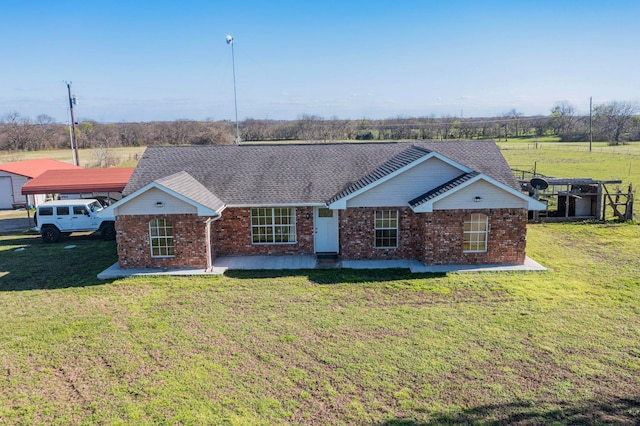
[438, 190]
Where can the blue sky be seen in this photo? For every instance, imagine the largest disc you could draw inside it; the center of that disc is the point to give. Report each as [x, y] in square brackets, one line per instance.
[165, 60]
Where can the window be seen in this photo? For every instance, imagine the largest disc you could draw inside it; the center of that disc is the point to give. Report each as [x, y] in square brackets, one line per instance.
[273, 225]
[45, 211]
[62, 211]
[79, 210]
[161, 238]
[323, 212]
[476, 228]
[386, 228]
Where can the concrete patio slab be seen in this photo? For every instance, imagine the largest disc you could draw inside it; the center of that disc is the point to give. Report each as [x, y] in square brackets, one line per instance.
[222, 264]
[529, 265]
[266, 262]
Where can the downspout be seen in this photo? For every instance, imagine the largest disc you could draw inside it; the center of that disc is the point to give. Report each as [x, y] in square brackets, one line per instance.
[208, 238]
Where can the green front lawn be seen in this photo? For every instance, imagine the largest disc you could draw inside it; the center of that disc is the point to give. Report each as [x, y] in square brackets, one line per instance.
[324, 346]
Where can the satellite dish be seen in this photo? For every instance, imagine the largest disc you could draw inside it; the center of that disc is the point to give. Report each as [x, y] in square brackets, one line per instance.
[539, 183]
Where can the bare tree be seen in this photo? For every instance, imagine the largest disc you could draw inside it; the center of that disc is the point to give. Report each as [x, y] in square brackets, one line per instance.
[16, 132]
[43, 132]
[613, 120]
[513, 117]
[562, 120]
[105, 139]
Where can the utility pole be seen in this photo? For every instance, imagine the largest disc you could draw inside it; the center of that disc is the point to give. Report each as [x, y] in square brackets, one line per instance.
[74, 141]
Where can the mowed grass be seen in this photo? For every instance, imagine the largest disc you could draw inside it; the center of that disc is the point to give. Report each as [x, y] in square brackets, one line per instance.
[573, 159]
[324, 346]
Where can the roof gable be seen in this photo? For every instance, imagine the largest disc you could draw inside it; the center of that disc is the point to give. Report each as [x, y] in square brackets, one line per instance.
[426, 202]
[442, 189]
[401, 163]
[182, 186]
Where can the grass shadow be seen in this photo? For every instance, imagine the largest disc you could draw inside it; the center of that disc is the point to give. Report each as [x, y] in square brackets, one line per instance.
[621, 411]
[335, 276]
[26, 263]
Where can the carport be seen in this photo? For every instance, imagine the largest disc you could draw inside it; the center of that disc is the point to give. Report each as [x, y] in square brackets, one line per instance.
[85, 183]
[81, 183]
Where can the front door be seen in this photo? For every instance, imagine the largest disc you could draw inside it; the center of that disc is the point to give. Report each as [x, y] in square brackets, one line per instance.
[326, 230]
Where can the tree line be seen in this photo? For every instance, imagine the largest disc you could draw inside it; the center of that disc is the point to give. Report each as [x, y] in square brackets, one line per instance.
[615, 122]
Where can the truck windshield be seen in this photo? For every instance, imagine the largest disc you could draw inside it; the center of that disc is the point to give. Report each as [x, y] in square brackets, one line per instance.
[95, 206]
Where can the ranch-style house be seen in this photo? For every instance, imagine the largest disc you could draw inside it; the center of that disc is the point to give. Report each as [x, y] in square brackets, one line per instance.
[445, 202]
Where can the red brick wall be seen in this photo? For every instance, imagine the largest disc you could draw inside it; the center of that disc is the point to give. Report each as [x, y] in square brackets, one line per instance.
[443, 236]
[231, 235]
[189, 239]
[435, 238]
[357, 235]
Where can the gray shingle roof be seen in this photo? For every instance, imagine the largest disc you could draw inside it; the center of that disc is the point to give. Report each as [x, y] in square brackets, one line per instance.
[304, 173]
[185, 184]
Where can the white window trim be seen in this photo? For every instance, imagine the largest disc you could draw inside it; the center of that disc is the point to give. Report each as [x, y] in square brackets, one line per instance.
[274, 225]
[472, 232]
[151, 238]
[375, 229]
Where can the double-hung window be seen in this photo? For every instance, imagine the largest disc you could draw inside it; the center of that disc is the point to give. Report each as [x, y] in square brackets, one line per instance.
[273, 225]
[476, 229]
[161, 238]
[386, 229]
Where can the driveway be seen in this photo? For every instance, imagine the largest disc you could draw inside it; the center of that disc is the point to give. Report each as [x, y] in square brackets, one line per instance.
[14, 221]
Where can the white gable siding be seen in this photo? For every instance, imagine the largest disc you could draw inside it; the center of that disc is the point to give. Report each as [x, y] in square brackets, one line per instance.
[145, 203]
[492, 198]
[399, 190]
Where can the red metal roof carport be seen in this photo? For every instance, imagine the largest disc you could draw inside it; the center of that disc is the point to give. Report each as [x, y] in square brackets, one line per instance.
[79, 181]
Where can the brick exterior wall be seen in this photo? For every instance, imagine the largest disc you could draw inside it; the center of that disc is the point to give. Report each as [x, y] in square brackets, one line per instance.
[434, 238]
[443, 236]
[231, 235]
[357, 235]
[132, 236]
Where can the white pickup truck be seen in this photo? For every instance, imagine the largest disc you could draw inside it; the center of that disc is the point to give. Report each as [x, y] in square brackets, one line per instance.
[62, 217]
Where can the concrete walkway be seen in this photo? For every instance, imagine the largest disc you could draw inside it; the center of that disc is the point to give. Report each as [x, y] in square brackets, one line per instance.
[222, 264]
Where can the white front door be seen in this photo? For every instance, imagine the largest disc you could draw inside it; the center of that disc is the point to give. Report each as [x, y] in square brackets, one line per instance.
[326, 230]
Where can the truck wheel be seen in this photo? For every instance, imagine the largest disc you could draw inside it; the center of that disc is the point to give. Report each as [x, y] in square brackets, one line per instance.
[50, 234]
[109, 232]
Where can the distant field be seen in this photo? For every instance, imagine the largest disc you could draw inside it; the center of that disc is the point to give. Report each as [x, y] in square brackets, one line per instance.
[126, 157]
[573, 159]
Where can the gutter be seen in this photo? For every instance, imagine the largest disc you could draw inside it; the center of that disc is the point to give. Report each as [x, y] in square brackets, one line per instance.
[208, 239]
